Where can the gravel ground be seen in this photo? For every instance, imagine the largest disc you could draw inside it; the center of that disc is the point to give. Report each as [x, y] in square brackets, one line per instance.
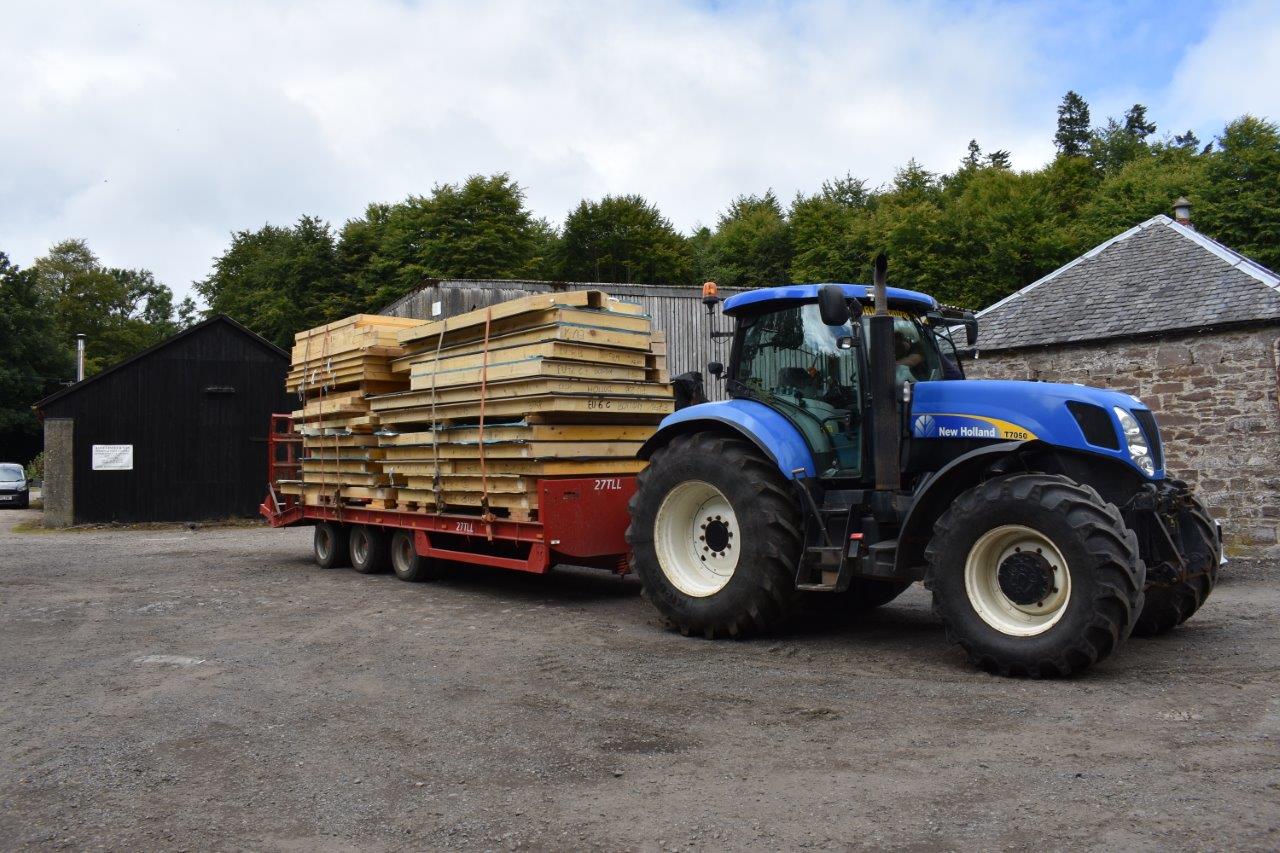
[213, 689]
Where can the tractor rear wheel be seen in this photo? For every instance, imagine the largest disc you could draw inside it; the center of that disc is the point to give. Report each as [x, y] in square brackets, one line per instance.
[715, 537]
[1035, 575]
[329, 541]
[1170, 605]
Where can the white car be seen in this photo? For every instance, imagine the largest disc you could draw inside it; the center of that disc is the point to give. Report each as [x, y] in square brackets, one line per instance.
[15, 491]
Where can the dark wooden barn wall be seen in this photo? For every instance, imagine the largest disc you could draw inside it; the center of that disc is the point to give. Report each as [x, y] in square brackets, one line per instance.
[196, 455]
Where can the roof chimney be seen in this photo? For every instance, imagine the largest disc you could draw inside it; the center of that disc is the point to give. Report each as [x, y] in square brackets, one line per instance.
[80, 357]
[1182, 211]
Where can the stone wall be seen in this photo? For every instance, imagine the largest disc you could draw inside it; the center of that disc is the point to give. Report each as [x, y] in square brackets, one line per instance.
[58, 490]
[1215, 397]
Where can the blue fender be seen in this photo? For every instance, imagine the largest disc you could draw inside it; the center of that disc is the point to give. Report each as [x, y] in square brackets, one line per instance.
[776, 436]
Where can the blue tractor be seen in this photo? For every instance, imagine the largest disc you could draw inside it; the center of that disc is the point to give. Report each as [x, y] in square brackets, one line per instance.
[854, 458]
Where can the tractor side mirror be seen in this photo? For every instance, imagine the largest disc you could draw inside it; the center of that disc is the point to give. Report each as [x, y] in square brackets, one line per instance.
[715, 368]
[832, 305]
[971, 331]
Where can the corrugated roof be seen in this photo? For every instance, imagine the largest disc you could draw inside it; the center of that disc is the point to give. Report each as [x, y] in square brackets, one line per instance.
[1159, 276]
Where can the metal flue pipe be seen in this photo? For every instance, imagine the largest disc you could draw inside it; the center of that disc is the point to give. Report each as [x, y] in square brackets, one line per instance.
[886, 435]
[80, 357]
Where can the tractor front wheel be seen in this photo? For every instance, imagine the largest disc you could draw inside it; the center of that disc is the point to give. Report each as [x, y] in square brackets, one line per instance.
[1169, 605]
[1035, 575]
[716, 537]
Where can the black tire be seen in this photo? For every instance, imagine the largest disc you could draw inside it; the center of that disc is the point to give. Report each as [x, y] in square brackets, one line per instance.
[759, 596]
[1105, 575]
[369, 551]
[406, 562]
[1167, 607]
[329, 541]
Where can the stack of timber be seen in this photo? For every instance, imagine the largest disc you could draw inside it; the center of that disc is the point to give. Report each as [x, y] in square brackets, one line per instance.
[552, 385]
[334, 370]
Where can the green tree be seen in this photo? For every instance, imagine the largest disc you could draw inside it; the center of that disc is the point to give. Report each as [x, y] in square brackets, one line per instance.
[1241, 206]
[34, 359]
[1072, 137]
[1136, 124]
[751, 246]
[477, 229]
[121, 311]
[1139, 190]
[278, 281]
[623, 239]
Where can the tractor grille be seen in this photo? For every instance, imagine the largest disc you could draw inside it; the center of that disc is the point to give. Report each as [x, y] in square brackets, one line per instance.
[1095, 423]
[1147, 421]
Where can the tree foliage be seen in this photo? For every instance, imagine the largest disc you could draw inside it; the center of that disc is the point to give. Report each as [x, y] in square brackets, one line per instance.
[1072, 137]
[621, 238]
[120, 311]
[34, 360]
[1242, 190]
[279, 280]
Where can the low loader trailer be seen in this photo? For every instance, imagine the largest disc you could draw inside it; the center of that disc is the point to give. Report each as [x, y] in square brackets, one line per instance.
[582, 522]
[853, 459]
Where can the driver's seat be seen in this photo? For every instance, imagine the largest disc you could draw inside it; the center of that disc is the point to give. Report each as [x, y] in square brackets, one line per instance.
[800, 380]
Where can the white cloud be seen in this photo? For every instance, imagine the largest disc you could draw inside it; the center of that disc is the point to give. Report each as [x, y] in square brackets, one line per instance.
[1234, 69]
[156, 129]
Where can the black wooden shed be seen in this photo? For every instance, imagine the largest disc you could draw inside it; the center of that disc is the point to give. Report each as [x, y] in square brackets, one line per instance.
[175, 433]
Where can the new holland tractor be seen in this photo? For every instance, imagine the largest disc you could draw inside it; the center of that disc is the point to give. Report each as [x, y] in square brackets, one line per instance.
[853, 458]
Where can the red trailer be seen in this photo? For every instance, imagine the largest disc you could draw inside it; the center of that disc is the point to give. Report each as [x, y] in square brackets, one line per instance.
[581, 522]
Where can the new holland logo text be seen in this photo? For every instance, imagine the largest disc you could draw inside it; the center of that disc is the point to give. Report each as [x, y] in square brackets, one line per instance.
[967, 426]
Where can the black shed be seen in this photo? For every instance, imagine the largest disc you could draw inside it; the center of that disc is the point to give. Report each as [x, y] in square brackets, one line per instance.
[175, 433]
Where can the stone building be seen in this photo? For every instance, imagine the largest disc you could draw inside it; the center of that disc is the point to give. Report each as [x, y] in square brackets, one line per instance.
[1186, 324]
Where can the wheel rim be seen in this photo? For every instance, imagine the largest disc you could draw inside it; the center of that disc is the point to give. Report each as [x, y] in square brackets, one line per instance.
[696, 536]
[403, 554]
[324, 542]
[359, 547]
[1017, 580]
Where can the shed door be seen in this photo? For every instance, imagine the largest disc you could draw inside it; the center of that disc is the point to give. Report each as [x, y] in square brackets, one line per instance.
[223, 438]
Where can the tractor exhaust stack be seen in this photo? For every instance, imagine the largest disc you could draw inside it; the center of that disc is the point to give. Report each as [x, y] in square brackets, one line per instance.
[884, 409]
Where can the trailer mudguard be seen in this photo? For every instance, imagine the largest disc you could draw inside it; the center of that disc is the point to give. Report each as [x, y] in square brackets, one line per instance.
[771, 432]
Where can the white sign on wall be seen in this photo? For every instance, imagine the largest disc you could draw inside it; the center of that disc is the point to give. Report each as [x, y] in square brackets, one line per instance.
[437, 308]
[113, 457]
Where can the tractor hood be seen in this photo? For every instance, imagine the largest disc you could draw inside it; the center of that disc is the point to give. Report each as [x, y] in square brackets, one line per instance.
[1027, 411]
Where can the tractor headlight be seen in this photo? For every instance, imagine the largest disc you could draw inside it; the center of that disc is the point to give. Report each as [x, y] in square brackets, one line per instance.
[1136, 442]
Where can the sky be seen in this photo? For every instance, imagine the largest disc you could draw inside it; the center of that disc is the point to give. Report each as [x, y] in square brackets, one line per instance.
[154, 130]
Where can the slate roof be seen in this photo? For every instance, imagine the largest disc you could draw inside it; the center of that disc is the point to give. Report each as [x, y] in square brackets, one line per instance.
[1159, 276]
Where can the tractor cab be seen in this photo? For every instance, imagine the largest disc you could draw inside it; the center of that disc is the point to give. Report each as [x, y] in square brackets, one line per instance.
[815, 373]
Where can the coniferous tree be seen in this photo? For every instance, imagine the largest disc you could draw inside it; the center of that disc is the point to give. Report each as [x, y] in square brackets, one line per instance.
[1136, 124]
[1072, 137]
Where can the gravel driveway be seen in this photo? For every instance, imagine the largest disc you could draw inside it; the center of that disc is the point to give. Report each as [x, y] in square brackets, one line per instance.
[213, 689]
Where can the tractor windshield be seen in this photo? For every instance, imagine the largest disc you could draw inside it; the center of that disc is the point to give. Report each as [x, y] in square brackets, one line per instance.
[914, 348]
[790, 360]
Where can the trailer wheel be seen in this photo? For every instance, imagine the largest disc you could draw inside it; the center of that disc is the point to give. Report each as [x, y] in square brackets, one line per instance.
[406, 562]
[330, 544]
[1035, 575]
[1167, 607]
[369, 552]
[715, 536]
